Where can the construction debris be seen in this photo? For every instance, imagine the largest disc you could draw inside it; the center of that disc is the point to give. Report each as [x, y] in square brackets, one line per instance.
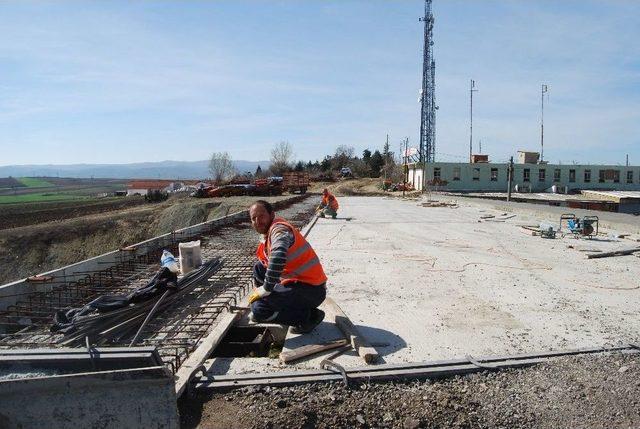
[432, 203]
[310, 349]
[621, 252]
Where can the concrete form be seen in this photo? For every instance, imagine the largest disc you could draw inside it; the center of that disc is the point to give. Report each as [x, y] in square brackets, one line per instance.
[132, 398]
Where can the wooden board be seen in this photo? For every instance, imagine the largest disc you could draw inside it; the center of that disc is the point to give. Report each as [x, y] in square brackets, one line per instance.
[310, 349]
[358, 341]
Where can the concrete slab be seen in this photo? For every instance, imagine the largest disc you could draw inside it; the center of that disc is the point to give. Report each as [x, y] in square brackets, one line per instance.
[438, 283]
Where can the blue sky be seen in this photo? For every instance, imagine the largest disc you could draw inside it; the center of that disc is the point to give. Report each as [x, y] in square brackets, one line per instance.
[120, 82]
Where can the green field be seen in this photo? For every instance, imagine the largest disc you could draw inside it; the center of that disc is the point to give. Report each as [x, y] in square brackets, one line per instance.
[33, 182]
[38, 197]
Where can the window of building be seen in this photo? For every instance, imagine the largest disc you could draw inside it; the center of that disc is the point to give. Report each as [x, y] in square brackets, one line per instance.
[526, 175]
[556, 174]
[494, 174]
[587, 176]
[476, 174]
[436, 173]
[609, 175]
[542, 175]
[629, 176]
[456, 173]
[572, 175]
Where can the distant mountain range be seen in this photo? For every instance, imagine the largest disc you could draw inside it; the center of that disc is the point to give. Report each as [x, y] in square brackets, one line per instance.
[141, 170]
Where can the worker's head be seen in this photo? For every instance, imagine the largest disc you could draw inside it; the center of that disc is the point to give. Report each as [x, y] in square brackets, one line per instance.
[261, 214]
[325, 191]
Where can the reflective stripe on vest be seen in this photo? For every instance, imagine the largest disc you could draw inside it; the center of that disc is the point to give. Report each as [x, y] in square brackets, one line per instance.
[302, 263]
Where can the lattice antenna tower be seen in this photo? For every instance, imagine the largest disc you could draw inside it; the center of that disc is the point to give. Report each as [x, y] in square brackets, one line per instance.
[427, 150]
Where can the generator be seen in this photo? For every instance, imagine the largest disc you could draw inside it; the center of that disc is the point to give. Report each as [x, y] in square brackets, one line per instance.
[587, 226]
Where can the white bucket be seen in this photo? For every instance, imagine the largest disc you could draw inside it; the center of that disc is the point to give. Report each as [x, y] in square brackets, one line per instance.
[190, 256]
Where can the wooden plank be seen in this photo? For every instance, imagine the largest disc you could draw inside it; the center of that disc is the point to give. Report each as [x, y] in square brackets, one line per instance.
[204, 349]
[358, 341]
[310, 349]
[621, 252]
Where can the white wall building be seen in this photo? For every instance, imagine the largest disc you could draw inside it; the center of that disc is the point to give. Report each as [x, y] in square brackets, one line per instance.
[489, 177]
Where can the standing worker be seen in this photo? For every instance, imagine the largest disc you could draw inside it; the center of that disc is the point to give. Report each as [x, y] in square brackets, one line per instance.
[289, 282]
[329, 205]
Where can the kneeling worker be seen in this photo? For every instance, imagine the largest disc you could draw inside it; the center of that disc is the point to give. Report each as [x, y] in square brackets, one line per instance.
[329, 205]
[289, 282]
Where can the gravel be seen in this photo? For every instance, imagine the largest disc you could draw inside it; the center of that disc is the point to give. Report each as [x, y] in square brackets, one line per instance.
[590, 391]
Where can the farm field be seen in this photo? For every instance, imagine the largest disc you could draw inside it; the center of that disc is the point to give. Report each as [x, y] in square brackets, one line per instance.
[41, 189]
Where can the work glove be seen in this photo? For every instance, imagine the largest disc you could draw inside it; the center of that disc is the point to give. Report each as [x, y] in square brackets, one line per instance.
[258, 293]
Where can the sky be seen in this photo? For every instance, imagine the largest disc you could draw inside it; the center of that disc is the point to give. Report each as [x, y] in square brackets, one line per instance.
[134, 81]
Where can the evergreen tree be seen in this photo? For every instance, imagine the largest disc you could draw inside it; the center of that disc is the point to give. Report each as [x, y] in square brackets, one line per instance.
[325, 165]
[258, 172]
[299, 166]
[366, 156]
[376, 163]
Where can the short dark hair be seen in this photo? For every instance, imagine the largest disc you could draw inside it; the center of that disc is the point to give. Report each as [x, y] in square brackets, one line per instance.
[266, 204]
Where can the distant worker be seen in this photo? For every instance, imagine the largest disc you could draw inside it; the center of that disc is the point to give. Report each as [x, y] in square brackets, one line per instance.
[329, 205]
[289, 282]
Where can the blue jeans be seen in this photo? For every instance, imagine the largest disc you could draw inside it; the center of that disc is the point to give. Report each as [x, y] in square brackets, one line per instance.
[293, 302]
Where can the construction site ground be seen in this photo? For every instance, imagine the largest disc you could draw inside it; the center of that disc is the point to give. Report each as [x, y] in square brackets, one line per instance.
[423, 282]
[435, 283]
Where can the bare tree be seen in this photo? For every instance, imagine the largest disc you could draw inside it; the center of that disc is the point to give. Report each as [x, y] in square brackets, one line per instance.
[221, 166]
[343, 156]
[281, 158]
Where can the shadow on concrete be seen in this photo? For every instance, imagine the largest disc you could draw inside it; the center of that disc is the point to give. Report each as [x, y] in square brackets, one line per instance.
[385, 342]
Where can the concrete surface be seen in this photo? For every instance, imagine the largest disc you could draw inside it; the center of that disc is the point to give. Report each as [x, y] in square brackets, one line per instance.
[439, 283]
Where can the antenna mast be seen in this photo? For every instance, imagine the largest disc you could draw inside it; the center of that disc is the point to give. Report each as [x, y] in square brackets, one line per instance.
[427, 149]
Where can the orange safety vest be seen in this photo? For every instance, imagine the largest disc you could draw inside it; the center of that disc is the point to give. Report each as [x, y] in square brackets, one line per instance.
[302, 263]
[330, 201]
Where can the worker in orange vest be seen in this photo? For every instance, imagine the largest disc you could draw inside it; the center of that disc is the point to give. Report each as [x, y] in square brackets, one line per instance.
[329, 205]
[289, 282]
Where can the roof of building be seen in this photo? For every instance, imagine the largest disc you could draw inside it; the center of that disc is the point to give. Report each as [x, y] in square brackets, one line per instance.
[613, 195]
[149, 184]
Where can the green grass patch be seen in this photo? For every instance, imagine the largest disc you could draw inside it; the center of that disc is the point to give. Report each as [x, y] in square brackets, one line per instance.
[39, 197]
[34, 182]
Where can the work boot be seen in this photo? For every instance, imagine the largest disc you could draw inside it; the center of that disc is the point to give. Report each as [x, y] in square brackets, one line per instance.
[315, 318]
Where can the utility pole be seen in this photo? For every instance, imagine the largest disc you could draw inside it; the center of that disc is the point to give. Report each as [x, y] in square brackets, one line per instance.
[627, 160]
[544, 89]
[509, 178]
[471, 91]
[405, 167]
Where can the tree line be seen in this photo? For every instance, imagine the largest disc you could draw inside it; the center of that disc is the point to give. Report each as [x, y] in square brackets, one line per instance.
[369, 164]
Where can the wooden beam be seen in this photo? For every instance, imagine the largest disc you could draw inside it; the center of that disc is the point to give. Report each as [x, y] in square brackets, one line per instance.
[358, 341]
[310, 349]
[614, 253]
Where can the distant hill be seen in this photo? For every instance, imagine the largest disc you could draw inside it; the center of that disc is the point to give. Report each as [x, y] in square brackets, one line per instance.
[141, 170]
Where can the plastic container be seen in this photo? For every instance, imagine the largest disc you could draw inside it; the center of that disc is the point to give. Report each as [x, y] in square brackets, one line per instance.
[169, 261]
[190, 256]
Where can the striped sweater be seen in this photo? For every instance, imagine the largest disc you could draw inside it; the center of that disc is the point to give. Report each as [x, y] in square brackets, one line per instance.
[281, 239]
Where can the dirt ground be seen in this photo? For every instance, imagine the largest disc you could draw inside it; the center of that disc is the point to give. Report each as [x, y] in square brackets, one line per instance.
[596, 391]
